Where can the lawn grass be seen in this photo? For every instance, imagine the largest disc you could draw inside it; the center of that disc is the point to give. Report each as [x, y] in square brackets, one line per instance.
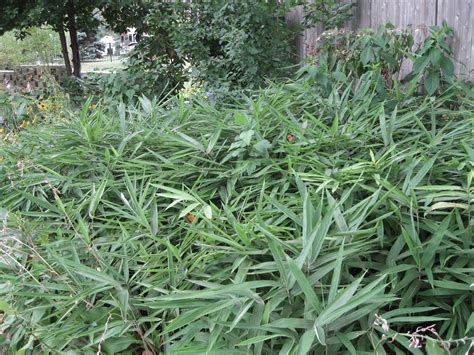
[102, 65]
[289, 222]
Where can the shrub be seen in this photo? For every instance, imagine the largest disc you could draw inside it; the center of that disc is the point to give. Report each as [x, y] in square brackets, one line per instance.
[359, 52]
[343, 53]
[329, 14]
[19, 111]
[298, 220]
[223, 45]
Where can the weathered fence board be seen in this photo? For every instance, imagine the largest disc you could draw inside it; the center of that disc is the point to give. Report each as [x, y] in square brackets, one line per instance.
[460, 15]
[415, 13]
[401, 13]
[293, 18]
[362, 16]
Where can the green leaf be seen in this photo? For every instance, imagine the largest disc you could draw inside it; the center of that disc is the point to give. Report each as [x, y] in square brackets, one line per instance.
[383, 127]
[432, 245]
[306, 341]
[432, 348]
[422, 172]
[420, 64]
[336, 275]
[347, 301]
[207, 210]
[447, 66]
[191, 316]
[258, 339]
[97, 196]
[470, 323]
[432, 82]
[93, 274]
[367, 55]
[434, 56]
[240, 118]
[347, 343]
[246, 137]
[320, 334]
[340, 76]
[303, 282]
[146, 104]
[5, 307]
[262, 146]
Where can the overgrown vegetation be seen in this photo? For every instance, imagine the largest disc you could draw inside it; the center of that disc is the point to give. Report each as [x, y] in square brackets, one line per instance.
[349, 54]
[223, 46]
[218, 47]
[297, 221]
[329, 14]
[41, 46]
[328, 214]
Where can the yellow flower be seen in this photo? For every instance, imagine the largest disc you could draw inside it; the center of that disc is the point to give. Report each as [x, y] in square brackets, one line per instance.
[34, 119]
[1, 158]
[42, 107]
[1, 129]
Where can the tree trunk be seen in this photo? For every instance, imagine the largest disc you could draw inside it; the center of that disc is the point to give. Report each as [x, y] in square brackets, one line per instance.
[72, 27]
[67, 62]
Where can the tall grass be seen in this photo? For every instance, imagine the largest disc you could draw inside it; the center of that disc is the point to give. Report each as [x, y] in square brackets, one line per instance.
[291, 223]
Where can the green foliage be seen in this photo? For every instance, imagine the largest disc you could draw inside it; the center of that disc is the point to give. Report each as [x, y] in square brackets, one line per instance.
[122, 14]
[223, 45]
[297, 221]
[239, 44]
[154, 63]
[358, 52]
[13, 110]
[41, 45]
[65, 16]
[433, 59]
[330, 14]
[23, 14]
[90, 46]
[20, 111]
[126, 85]
[343, 54]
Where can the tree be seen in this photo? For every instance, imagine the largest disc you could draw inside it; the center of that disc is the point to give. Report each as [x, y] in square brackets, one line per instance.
[228, 45]
[122, 14]
[62, 15]
[71, 16]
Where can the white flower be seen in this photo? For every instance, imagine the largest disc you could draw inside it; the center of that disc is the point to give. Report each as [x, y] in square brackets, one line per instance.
[379, 320]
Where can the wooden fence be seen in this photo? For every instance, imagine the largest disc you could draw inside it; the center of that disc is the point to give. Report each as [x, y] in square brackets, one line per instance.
[401, 13]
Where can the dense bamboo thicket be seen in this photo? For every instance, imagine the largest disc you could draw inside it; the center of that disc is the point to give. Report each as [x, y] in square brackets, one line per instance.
[288, 222]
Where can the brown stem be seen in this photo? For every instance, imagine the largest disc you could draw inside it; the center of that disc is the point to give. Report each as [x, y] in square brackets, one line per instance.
[67, 62]
[72, 27]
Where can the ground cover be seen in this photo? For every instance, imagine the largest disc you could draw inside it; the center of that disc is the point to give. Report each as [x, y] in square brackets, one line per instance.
[294, 220]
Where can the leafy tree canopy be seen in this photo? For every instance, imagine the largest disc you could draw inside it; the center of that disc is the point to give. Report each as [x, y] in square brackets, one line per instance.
[70, 16]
